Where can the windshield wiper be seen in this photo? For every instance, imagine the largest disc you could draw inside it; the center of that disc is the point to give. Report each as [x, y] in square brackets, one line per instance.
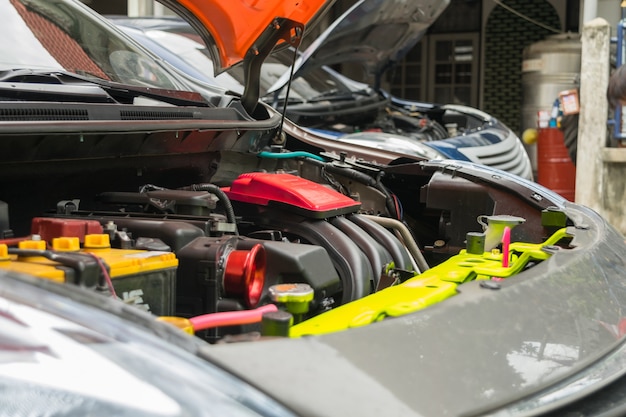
[333, 96]
[121, 93]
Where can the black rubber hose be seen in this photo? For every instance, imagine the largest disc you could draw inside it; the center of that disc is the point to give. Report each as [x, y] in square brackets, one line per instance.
[362, 178]
[221, 195]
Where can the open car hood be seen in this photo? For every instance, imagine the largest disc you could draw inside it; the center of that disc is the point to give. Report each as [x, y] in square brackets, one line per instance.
[247, 31]
[374, 33]
[236, 28]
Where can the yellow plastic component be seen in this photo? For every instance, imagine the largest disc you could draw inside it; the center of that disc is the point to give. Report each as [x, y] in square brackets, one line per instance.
[124, 262]
[412, 295]
[121, 262]
[32, 244]
[9, 263]
[99, 241]
[66, 244]
[529, 136]
[180, 322]
[38, 270]
[428, 288]
[4, 253]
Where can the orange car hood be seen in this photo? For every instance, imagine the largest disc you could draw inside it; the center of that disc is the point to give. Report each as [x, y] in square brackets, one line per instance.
[236, 26]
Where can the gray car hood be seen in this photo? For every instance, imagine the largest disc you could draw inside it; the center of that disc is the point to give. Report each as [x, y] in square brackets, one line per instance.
[481, 351]
[374, 33]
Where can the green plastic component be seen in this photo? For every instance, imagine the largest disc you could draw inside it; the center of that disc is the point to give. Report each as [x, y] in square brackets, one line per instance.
[412, 295]
[553, 218]
[426, 289]
[276, 323]
[295, 297]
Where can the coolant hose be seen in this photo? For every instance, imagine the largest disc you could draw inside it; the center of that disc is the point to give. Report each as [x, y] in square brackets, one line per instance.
[289, 155]
[410, 243]
[230, 318]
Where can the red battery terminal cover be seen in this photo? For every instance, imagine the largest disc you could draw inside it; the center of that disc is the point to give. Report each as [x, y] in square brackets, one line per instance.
[50, 228]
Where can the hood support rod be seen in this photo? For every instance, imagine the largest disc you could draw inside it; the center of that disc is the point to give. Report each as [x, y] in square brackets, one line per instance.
[281, 29]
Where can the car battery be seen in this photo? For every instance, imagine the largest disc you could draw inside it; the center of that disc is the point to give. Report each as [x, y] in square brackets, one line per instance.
[143, 278]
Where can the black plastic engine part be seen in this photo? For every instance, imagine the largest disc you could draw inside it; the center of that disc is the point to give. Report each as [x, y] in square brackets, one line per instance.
[349, 260]
[299, 263]
[202, 267]
[197, 203]
[176, 234]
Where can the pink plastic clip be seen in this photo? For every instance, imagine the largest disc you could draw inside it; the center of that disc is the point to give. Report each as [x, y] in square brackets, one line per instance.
[506, 241]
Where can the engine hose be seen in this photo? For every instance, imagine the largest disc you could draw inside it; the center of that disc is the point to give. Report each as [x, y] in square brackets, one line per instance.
[389, 201]
[353, 174]
[221, 195]
[289, 155]
[230, 318]
[378, 256]
[443, 133]
[406, 236]
[388, 240]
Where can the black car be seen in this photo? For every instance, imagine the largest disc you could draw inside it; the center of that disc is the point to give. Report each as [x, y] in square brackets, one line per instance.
[170, 252]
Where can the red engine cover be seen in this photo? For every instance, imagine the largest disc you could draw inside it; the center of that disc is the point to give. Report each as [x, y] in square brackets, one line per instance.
[292, 193]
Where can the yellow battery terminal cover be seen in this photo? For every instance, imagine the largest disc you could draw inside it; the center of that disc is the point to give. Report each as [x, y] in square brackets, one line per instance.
[11, 263]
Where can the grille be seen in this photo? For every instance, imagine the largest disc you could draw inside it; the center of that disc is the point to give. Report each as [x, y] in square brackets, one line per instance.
[154, 115]
[32, 114]
[508, 155]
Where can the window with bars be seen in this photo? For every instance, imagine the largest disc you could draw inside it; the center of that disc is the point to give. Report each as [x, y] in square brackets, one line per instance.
[408, 79]
[442, 68]
[453, 68]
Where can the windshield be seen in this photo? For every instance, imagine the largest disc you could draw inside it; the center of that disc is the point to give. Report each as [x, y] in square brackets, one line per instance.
[175, 42]
[316, 83]
[59, 35]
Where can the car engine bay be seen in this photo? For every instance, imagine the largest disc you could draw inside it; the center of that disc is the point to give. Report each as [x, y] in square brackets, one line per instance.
[197, 223]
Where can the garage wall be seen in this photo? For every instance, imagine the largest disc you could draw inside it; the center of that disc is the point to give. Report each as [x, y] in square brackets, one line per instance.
[505, 35]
